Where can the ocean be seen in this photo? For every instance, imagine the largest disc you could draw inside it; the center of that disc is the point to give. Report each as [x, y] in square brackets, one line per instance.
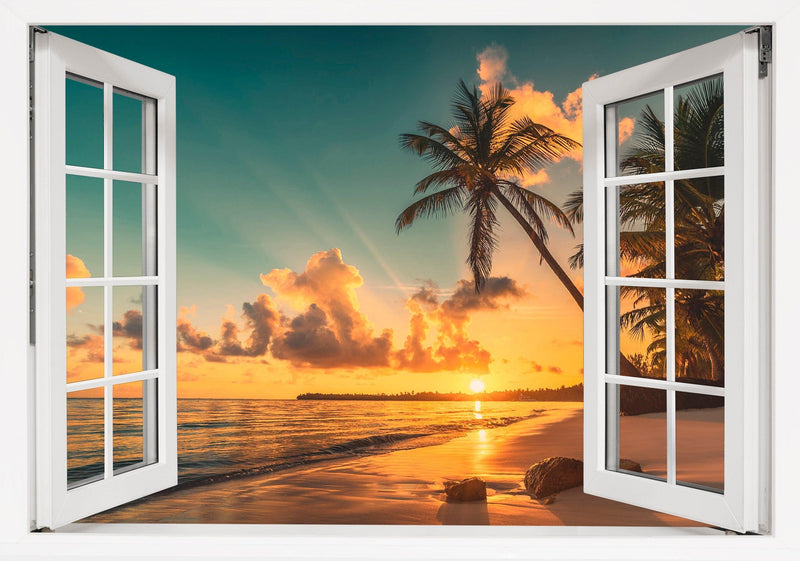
[222, 438]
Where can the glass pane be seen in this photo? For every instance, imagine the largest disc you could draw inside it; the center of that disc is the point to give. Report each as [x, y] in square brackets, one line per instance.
[128, 223]
[700, 440]
[85, 345]
[128, 329]
[131, 427]
[84, 124]
[638, 343]
[700, 229]
[700, 337]
[639, 130]
[640, 243]
[641, 428]
[84, 227]
[85, 454]
[127, 133]
[699, 124]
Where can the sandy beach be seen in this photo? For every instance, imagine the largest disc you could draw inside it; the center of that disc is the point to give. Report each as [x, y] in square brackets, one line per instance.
[406, 486]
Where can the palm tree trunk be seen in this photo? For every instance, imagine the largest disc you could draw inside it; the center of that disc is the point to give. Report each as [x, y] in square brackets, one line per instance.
[626, 368]
[576, 294]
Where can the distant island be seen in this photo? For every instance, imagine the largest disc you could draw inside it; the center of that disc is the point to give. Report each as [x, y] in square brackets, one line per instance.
[564, 393]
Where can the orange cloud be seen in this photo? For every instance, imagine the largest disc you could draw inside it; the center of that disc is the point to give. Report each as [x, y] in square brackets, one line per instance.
[262, 319]
[492, 63]
[331, 330]
[540, 105]
[626, 129]
[453, 349]
[75, 269]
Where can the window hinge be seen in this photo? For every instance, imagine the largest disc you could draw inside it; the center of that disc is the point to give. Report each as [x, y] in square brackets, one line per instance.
[764, 49]
[32, 43]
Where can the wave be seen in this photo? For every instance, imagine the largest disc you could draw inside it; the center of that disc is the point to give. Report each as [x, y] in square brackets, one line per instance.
[369, 441]
[363, 446]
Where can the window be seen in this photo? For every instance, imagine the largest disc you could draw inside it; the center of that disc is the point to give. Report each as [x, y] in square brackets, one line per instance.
[14, 518]
[675, 209]
[105, 222]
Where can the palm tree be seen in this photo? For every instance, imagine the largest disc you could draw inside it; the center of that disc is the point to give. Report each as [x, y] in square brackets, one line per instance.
[476, 162]
[699, 232]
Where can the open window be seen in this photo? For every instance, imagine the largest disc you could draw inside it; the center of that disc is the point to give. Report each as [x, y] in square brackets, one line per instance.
[676, 263]
[675, 240]
[104, 154]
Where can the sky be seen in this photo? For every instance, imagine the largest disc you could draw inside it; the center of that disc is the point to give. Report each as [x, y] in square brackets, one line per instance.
[291, 277]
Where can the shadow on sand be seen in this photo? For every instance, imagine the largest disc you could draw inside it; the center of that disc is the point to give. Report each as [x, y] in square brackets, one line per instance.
[474, 513]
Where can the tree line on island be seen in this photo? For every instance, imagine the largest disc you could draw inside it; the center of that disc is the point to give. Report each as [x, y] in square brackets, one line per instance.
[564, 393]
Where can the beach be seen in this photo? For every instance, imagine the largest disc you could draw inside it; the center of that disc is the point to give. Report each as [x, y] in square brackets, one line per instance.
[406, 486]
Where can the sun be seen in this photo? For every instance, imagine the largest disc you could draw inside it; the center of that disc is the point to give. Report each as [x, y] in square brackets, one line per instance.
[476, 386]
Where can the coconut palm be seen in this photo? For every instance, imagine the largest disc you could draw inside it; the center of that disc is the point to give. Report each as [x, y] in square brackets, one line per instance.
[477, 162]
[699, 231]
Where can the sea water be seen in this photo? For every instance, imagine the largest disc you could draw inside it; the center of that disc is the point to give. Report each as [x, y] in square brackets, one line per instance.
[221, 438]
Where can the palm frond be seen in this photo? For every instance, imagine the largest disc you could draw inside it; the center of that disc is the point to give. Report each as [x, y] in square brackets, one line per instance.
[576, 259]
[439, 155]
[533, 204]
[441, 203]
[573, 206]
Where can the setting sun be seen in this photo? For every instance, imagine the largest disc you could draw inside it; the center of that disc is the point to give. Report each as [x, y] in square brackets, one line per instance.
[476, 386]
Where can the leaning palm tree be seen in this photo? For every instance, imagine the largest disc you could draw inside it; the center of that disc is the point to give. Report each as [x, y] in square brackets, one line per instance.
[477, 162]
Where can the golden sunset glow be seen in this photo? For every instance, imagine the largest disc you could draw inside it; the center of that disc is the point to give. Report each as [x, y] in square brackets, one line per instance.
[476, 386]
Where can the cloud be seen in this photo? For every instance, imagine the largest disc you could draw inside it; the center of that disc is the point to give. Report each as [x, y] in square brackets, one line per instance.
[130, 327]
[190, 338]
[330, 330]
[555, 369]
[75, 269]
[492, 63]
[327, 328]
[453, 349]
[262, 320]
[92, 345]
[626, 126]
[536, 367]
[540, 105]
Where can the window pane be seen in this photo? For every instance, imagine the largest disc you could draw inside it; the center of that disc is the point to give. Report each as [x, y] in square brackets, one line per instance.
[84, 124]
[85, 455]
[128, 329]
[85, 345]
[637, 337]
[700, 440]
[639, 230]
[640, 420]
[700, 337]
[638, 129]
[127, 133]
[700, 229]
[84, 227]
[699, 124]
[131, 429]
[129, 223]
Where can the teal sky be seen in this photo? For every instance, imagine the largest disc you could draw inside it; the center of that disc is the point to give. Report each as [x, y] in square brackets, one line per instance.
[287, 140]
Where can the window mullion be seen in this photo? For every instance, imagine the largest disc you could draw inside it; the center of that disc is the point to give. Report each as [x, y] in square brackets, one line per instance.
[669, 246]
[108, 261]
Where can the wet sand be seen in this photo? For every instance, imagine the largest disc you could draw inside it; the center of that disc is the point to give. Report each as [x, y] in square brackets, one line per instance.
[406, 486]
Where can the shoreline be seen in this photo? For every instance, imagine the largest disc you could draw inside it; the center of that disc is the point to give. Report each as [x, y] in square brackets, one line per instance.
[406, 487]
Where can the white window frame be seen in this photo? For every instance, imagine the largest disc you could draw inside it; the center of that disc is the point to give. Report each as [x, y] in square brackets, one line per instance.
[745, 285]
[56, 58]
[313, 542]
